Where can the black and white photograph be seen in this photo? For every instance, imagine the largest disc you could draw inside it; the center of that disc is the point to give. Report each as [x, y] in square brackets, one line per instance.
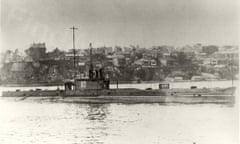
[119, 71]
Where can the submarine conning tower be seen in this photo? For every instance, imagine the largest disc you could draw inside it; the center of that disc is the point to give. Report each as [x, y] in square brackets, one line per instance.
[96, 79]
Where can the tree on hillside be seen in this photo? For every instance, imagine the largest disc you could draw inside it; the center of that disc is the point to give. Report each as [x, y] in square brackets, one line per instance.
[36, 51]
[183, 63]
[210, 49]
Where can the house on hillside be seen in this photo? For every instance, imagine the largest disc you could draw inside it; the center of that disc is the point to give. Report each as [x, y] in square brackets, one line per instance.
[146, 63]
[226, 56]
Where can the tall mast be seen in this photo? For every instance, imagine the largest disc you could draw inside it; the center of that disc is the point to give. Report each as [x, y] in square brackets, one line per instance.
[74, 52]
[232, 73]
[91, 63]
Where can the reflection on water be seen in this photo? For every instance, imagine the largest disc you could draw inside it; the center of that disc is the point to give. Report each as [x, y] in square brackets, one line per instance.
[27, 122]
[97, 112]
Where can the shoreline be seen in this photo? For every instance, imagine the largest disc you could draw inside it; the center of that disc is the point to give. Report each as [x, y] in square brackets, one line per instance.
[112, 83]
[30, 84]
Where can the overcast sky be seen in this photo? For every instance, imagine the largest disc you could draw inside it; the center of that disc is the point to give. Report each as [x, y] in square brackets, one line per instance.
[118, 22]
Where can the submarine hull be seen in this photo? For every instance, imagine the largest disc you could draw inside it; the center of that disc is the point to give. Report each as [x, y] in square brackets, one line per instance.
[129, 95]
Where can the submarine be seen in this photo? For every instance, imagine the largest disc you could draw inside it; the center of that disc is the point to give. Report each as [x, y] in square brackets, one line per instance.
[96, 89]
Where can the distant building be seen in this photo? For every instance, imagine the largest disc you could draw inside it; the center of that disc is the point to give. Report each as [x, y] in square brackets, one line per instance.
[163, 62]
[227, 55]
[56, 55]
[105, 50]
[146, 63]
[197, 78]
[127, 50]
[205, 76]
[178, 78]
[115, 59]
[20, 70]
[197, 48]
[28, 59]
[162, 49]
[9, 57]
[210, 61]
[79, 55]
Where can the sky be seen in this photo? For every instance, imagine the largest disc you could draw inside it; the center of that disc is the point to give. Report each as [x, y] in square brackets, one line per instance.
[118, 22]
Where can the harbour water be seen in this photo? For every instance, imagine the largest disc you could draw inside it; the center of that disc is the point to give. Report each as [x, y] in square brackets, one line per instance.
[27, 122]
